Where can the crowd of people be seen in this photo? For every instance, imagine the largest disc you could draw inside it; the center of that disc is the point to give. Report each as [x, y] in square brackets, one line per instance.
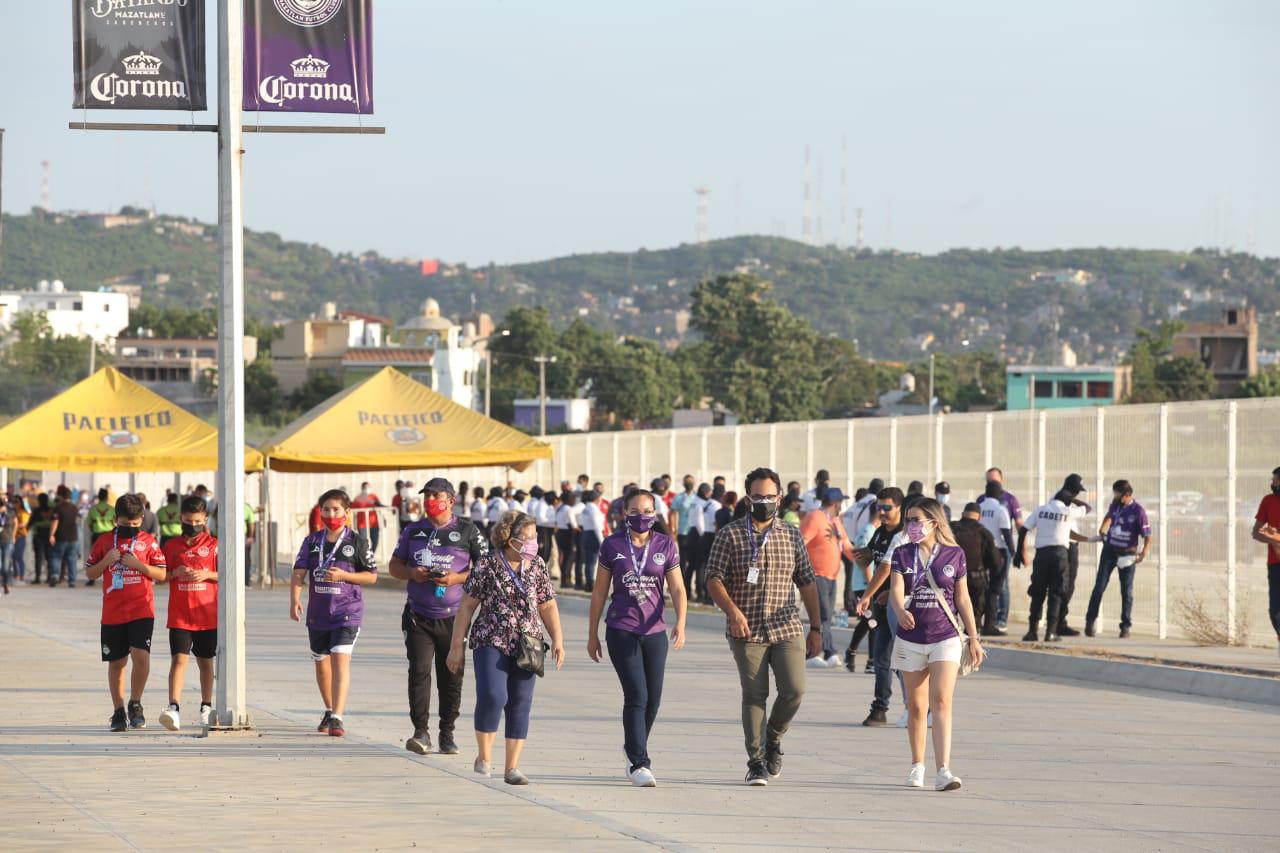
[922, 586]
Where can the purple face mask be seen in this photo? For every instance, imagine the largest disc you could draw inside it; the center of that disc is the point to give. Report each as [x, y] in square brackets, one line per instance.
[641, 523]
[916, 531]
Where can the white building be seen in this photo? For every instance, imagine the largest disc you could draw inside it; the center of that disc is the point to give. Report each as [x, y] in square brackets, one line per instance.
[456, 360]
[97, 314]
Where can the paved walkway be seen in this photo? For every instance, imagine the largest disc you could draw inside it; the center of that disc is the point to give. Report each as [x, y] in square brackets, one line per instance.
[1048, 765]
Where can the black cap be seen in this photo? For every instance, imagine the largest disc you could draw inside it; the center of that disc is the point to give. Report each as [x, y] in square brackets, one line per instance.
[942, 488]
[439, 484]
[1074, 483]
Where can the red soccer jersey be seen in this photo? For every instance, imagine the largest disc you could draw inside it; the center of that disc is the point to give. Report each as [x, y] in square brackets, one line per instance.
[193, 605]
[135, 598]
[1269, 513]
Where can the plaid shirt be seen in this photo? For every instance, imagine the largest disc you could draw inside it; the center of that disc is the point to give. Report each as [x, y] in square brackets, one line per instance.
[770, 605]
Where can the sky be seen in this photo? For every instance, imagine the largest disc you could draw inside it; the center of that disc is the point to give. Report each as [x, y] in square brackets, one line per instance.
[527, 130]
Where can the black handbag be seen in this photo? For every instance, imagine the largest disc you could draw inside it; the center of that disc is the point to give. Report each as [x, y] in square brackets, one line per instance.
[531, 653]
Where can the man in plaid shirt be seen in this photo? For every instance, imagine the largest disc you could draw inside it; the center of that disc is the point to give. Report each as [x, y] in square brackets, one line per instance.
[754, 567]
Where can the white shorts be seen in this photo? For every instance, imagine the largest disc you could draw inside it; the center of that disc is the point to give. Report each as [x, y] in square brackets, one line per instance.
[914, 657]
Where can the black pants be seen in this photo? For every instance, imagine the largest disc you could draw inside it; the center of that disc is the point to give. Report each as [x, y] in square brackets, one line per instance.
[427, 641]
[995, 586]
[1048, 582]
[567, 545]
[861, 628]
[703, 595]
[1069, 585]
[690, 551]
[43, 552]
[544, 542]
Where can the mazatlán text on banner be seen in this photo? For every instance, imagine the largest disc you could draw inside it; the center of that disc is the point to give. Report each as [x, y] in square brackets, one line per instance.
[139, 54]
[311, 56]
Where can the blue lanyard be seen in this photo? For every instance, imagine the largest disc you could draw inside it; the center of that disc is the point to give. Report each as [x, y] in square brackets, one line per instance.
[514, 577]
[326, 562]
[644, 557]
[756, 549]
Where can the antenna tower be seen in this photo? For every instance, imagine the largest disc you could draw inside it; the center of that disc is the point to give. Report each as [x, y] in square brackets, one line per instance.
[806, 235]
[842, 239]
[702, 193]
[44, 186]
[858, 244]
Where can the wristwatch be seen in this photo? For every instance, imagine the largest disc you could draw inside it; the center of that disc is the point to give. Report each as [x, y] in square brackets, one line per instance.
[814, 630]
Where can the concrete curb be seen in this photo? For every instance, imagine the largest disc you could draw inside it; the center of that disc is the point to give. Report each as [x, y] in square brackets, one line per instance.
[1152, 676]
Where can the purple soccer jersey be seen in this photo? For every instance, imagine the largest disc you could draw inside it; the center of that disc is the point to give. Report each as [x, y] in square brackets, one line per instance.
[638, 580]
[454, 547]
[1128, 523]
[948, 565]
[334, 605]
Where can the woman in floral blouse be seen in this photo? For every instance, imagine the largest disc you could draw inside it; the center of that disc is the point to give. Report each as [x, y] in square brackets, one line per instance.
[513, 591]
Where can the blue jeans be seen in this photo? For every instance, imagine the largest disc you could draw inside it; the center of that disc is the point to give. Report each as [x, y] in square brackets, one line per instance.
[1002, 616]
[589, 553]
[640, 661]
[64, 560]
[1107, 562]
[20, 558]
[882, 657]
[6, 560]
[1273, 591]
[826, 608]
[502, 689]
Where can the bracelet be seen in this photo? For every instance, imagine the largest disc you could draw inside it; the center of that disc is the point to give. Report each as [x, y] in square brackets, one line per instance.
[814, 630]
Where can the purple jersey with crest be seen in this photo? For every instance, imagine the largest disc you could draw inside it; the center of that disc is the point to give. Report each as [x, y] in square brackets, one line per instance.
[947, 565]
[638, 581]
[1127, 524]
[454, 547]
[334, 605]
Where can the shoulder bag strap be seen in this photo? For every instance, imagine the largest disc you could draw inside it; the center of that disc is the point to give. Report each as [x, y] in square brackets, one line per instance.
[942, 600]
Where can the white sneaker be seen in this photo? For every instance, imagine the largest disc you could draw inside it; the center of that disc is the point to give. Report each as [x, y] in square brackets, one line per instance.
[169, 718]
[641, 777]
[915, 779]
[834, 661]
[902, 721]
[206, 714]
[946, 780]
[482, 768]
[816, 662]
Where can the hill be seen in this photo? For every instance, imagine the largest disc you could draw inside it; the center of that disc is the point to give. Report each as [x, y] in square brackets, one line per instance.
[1010, 301]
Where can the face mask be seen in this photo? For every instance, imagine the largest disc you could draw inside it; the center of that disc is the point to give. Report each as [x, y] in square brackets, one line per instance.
[364, 492]
[125, 531]
[334, 523]
[641, 523]
[437, 507]
[1275, 490]
[764, 510]
[688, 487]
[192, 530]
[944, 499]
[528, 548]
[916, 531]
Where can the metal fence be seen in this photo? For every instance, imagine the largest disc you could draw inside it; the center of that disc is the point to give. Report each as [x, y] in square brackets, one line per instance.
[1198, 468]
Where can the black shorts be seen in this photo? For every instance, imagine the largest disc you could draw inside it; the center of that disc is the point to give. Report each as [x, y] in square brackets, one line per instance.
[118, 639]
[203, 644]
[335, 640]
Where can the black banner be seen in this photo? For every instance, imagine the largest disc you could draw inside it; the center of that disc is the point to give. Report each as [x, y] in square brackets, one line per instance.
[139, 54]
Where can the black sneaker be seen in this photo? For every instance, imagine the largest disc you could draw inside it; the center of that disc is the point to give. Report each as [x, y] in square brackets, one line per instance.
[993, 632]
[1030, 636]
[323, 728]
[869, 669]
[447, 744]
[875, 718]
[851, 660]
[119, 722]
[1090, 629]
[1124, 633]
[419, 743]
[773, 757]
[757, 775]
[136, 718]
[1068, 631]
[1052, 638]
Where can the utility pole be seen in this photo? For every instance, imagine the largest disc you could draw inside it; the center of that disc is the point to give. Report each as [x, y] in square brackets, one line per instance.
[931, 432]
[543, 360]
[1, 198]
[231, 708]
[488, 357]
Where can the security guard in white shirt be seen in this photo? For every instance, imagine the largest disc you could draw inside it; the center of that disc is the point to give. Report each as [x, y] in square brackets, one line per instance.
[1054, 526]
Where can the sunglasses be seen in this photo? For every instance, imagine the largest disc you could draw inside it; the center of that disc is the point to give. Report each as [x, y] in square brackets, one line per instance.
[886, 508]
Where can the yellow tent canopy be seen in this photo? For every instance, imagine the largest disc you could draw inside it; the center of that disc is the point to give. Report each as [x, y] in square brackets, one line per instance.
[390, 422]
[108, 422]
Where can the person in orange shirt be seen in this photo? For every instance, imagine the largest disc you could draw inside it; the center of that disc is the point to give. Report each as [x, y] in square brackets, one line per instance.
[825, 537]
[192, 561]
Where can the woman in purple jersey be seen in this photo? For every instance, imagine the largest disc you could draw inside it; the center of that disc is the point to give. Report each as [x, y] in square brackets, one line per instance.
[635, 565]
[928, 646]
[335, 563]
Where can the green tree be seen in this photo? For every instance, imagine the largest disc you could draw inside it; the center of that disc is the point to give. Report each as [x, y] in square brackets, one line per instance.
[36, 364]
[515, 373]
[762, 363]
[1159, 376]
[1265, 384]
[320, 386]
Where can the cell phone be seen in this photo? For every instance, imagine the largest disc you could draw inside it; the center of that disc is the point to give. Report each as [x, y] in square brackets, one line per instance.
[437, 573]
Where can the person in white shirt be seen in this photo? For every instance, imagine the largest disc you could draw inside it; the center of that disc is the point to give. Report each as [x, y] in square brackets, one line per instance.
[567, 539]
[710, 506]
[591, 522]
[812, 499]
[518, 502]
[478, 507]
[863, 510]
[496, 508]
[1054, 525]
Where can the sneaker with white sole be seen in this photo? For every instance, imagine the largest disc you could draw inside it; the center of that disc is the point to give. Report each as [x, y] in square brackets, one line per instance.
[946, 780]
[834, 661]
[482, 768]
[902, 721]
[206, 714]
[915, 779]
[642, 777]
[818, 662]
[169, 718]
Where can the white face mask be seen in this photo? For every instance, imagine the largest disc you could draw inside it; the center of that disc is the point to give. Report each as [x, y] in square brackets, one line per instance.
[944, 499]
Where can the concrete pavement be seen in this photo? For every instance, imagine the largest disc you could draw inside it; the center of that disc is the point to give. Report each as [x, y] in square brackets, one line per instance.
[1048, 764]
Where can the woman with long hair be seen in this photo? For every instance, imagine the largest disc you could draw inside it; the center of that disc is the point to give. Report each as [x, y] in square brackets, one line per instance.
[636, 564]
[927, 592]
[513, 593]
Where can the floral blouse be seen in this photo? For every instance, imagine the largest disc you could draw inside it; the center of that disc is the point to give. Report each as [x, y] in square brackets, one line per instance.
[504, 613]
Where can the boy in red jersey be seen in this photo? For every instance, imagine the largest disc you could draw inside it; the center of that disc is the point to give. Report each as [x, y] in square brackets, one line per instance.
[129, 560]
[192, 560]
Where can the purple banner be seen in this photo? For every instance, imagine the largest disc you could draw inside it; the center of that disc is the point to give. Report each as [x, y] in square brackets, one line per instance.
[309, 56]
[138, 54]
